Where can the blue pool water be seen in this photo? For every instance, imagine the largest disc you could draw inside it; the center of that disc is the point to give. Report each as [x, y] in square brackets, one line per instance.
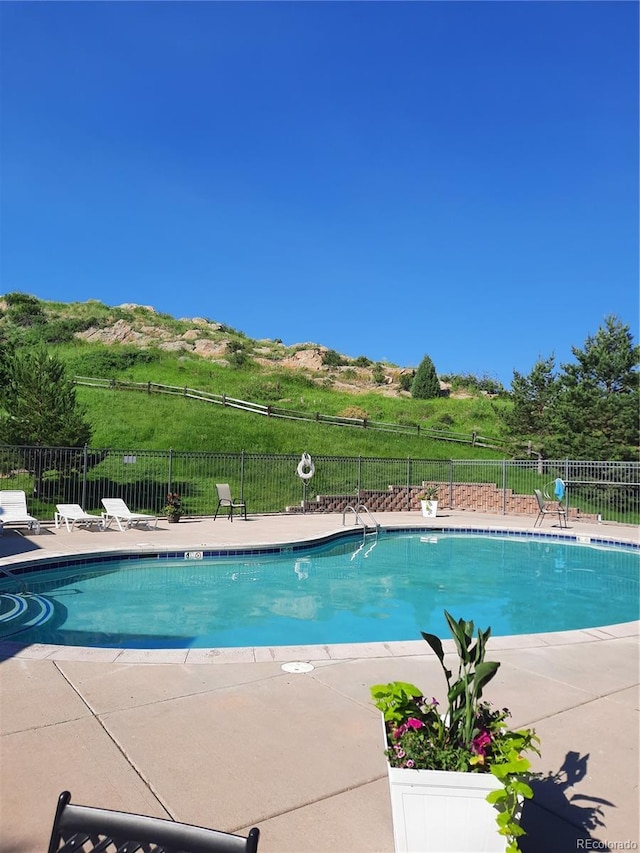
[383, 589]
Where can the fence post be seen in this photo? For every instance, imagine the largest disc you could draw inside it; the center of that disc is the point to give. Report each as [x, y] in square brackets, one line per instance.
[451, 479]
[408, 483]
[504, 486]
[359, 484]
[170, 478]
[85, 466]
[242, 476]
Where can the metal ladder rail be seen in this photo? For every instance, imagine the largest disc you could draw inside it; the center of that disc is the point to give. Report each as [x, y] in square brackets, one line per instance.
[369, 514]
[358, 517]
[354, 511]
[376, 529]
[19, 581]
[360, 520]
[357, 520]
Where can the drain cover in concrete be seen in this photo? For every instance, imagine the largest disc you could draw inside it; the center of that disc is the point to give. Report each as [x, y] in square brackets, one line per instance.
[297, 666]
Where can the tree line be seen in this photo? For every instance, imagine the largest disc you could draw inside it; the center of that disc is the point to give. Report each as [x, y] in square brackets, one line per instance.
[589, 409]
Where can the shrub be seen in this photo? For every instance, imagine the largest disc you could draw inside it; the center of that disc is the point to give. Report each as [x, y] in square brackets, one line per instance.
[238, 358]
[405, 380]
[24, 310]
[378, 375]
[265, 390]
[470, 382]
[425, 383]
[331, 358]
[445, 421]
[103, 361]
[60, 331]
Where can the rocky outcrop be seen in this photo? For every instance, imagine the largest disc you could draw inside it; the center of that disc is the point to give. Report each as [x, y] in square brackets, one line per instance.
[131, 306]
[201, 337]
[120, 332]
[309, 358]
[210, 349]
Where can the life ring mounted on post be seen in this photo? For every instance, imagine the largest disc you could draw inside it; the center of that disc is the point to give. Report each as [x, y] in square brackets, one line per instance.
[306, 468]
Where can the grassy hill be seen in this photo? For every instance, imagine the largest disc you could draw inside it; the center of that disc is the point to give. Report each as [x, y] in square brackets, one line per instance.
[135, 343]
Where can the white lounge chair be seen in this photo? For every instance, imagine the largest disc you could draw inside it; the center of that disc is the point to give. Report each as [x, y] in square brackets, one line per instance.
[13, 511]
[117, 510]
[73, 514]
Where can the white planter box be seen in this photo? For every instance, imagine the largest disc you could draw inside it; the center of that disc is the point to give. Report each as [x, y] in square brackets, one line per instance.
[441, 811]
[429, 508]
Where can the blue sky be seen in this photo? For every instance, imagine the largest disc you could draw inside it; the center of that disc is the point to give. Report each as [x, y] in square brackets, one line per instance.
[388, 179]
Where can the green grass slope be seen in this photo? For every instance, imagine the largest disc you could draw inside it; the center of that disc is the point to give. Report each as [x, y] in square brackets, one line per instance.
[125, 419]
[156, 350]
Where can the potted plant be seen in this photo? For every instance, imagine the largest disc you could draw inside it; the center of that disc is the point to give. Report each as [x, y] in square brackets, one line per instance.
[173, 509]
[457, 776]
[429, 501]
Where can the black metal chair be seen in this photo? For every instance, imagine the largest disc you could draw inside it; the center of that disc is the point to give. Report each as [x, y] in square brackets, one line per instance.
[84, 829]
[546, 508]
[225, 499]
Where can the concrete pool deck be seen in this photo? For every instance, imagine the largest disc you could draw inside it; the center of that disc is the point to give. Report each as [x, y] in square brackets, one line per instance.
[227, 739]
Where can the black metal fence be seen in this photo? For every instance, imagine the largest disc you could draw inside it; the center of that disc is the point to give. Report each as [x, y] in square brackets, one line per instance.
[271, 484]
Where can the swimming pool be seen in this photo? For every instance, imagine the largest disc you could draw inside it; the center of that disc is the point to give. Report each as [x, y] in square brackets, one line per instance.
[377, 589]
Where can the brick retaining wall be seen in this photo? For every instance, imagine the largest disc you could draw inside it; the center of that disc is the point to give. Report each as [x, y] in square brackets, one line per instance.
[474, 497]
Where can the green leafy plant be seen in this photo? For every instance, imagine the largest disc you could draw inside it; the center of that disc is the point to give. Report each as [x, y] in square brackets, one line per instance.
[469, 736]
[429, 493]
[173, 508]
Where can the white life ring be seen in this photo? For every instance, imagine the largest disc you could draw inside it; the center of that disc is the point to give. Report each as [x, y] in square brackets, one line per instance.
[306, 468]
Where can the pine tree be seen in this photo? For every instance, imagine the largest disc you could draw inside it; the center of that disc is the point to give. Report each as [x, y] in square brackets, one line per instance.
[590, 410]
[39, 402]
[595, 415]
[533, 398]
[425, 383]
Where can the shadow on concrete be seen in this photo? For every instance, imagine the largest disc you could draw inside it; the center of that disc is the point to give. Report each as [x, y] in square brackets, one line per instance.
[12, 542]
[555, 820]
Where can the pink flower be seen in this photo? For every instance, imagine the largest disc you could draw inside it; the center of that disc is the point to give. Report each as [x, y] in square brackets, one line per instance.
[412, 723]
[410, 762]
[480, 742]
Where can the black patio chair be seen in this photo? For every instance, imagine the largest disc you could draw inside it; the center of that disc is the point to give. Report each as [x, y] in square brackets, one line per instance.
[76, 827]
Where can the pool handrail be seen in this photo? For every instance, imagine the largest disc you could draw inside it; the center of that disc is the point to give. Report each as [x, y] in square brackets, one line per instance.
[356, 510]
